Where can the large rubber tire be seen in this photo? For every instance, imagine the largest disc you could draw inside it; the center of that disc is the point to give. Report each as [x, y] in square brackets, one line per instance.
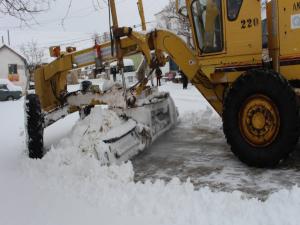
[10, 98]
[35, 126]
[279, 91]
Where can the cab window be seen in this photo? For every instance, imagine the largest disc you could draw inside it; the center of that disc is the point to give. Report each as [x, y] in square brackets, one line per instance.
[207, 16]
[13, 69]
[233, 9]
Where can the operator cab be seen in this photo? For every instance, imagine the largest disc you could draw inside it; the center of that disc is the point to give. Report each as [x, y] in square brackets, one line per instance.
[207, 19]
[228, 31]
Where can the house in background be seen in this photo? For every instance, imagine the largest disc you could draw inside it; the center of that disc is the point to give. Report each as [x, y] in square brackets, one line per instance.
[13, 66]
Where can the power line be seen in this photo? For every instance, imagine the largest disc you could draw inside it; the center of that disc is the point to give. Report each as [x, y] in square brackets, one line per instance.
[70, 43]
[73, 41]
[67, 42]
[62, 43]
[67, 14]
[19, 27]
[30, 25]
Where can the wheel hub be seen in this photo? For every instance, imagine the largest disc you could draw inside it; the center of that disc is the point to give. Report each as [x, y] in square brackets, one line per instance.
[259, 121]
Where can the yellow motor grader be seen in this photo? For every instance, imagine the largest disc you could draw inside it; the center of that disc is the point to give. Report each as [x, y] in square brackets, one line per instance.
[256, 96]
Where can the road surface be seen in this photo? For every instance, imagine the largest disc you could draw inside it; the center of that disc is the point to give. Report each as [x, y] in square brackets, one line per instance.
[202, 155]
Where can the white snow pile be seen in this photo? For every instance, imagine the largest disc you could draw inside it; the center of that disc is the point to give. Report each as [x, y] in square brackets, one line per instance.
[205, 119]
[88, 135]
[112, 192]
[111, 196]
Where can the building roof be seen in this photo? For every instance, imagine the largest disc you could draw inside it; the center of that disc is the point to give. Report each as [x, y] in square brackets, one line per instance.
[13, 51]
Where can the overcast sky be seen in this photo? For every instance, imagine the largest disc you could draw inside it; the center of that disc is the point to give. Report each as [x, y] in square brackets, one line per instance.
[82, 21]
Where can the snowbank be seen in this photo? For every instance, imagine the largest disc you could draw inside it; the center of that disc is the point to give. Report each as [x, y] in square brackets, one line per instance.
[72, 171]
[10, 85]
[207, 119]
[69, 186]
[115, 199]
[89, 135]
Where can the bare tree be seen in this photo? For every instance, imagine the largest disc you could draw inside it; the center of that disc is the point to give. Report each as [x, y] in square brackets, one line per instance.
[169, 17]
[33, 55]
[23, 9]
[96, 38]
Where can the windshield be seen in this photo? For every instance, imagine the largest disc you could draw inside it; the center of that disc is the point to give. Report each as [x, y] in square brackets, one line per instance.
[207, 16]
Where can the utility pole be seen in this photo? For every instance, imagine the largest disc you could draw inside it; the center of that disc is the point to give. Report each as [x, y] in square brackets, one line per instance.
[8, 37]
[2, 39]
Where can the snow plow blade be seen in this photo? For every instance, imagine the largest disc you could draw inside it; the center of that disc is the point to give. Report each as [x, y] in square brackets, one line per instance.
[136, 129]
[114, 133]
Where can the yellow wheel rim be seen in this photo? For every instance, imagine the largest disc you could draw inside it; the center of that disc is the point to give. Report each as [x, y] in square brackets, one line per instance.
[259, 121]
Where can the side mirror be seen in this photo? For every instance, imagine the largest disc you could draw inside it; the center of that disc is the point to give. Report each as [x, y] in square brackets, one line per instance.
[181, 8]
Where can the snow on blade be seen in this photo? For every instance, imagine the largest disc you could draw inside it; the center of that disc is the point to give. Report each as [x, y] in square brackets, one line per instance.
[89, 136]
[114, 135]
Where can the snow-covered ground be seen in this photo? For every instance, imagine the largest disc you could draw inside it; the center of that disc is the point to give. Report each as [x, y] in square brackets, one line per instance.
[68, 187]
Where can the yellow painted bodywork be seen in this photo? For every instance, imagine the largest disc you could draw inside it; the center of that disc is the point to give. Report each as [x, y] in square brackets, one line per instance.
[259, 121]
[284, 41]
[211, 73]
[56, 71]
